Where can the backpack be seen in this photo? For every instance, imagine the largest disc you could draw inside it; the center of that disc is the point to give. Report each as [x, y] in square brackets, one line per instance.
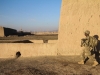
[92, 41]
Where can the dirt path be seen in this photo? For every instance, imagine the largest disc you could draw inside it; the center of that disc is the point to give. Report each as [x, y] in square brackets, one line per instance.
[60, 65]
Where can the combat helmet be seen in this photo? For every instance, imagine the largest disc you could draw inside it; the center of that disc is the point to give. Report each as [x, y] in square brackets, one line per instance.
[87, 32]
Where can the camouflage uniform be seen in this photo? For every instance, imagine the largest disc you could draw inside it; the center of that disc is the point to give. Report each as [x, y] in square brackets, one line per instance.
[86, 49]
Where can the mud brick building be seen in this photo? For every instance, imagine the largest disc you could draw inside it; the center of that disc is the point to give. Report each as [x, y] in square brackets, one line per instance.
[7, 31]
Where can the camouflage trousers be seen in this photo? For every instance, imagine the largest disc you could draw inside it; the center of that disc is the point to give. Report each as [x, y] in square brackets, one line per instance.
[86, 52]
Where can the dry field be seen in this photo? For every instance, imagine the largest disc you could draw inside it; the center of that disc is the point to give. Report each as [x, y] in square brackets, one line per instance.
[32, 37]
[51, 65]
[25, 39]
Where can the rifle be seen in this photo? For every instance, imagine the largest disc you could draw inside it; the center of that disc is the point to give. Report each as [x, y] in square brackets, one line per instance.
[84, 42]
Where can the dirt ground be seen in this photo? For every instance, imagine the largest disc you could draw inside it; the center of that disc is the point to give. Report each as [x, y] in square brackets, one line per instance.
[47, 65]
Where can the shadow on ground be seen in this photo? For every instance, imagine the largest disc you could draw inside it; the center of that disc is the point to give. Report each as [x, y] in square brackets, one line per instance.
[52, 65]
[31, 71]
[23, 41]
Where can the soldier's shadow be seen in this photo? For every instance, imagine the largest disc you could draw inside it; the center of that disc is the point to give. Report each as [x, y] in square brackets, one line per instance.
[97, 53]
[97, 50]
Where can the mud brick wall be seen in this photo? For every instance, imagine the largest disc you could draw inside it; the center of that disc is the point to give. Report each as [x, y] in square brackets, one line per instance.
[1, 31]
[76, 16]
[9, 50]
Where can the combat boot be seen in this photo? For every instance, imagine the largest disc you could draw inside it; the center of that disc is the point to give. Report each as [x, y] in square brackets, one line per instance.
[81, 62]
[95, 63]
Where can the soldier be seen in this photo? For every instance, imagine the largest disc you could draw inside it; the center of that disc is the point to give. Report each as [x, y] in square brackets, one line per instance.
[87, 46]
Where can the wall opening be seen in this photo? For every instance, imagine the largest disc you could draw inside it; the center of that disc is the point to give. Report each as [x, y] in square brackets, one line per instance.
[18, 54]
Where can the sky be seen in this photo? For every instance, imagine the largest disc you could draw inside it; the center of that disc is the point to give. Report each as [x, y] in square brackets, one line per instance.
[30, 15]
